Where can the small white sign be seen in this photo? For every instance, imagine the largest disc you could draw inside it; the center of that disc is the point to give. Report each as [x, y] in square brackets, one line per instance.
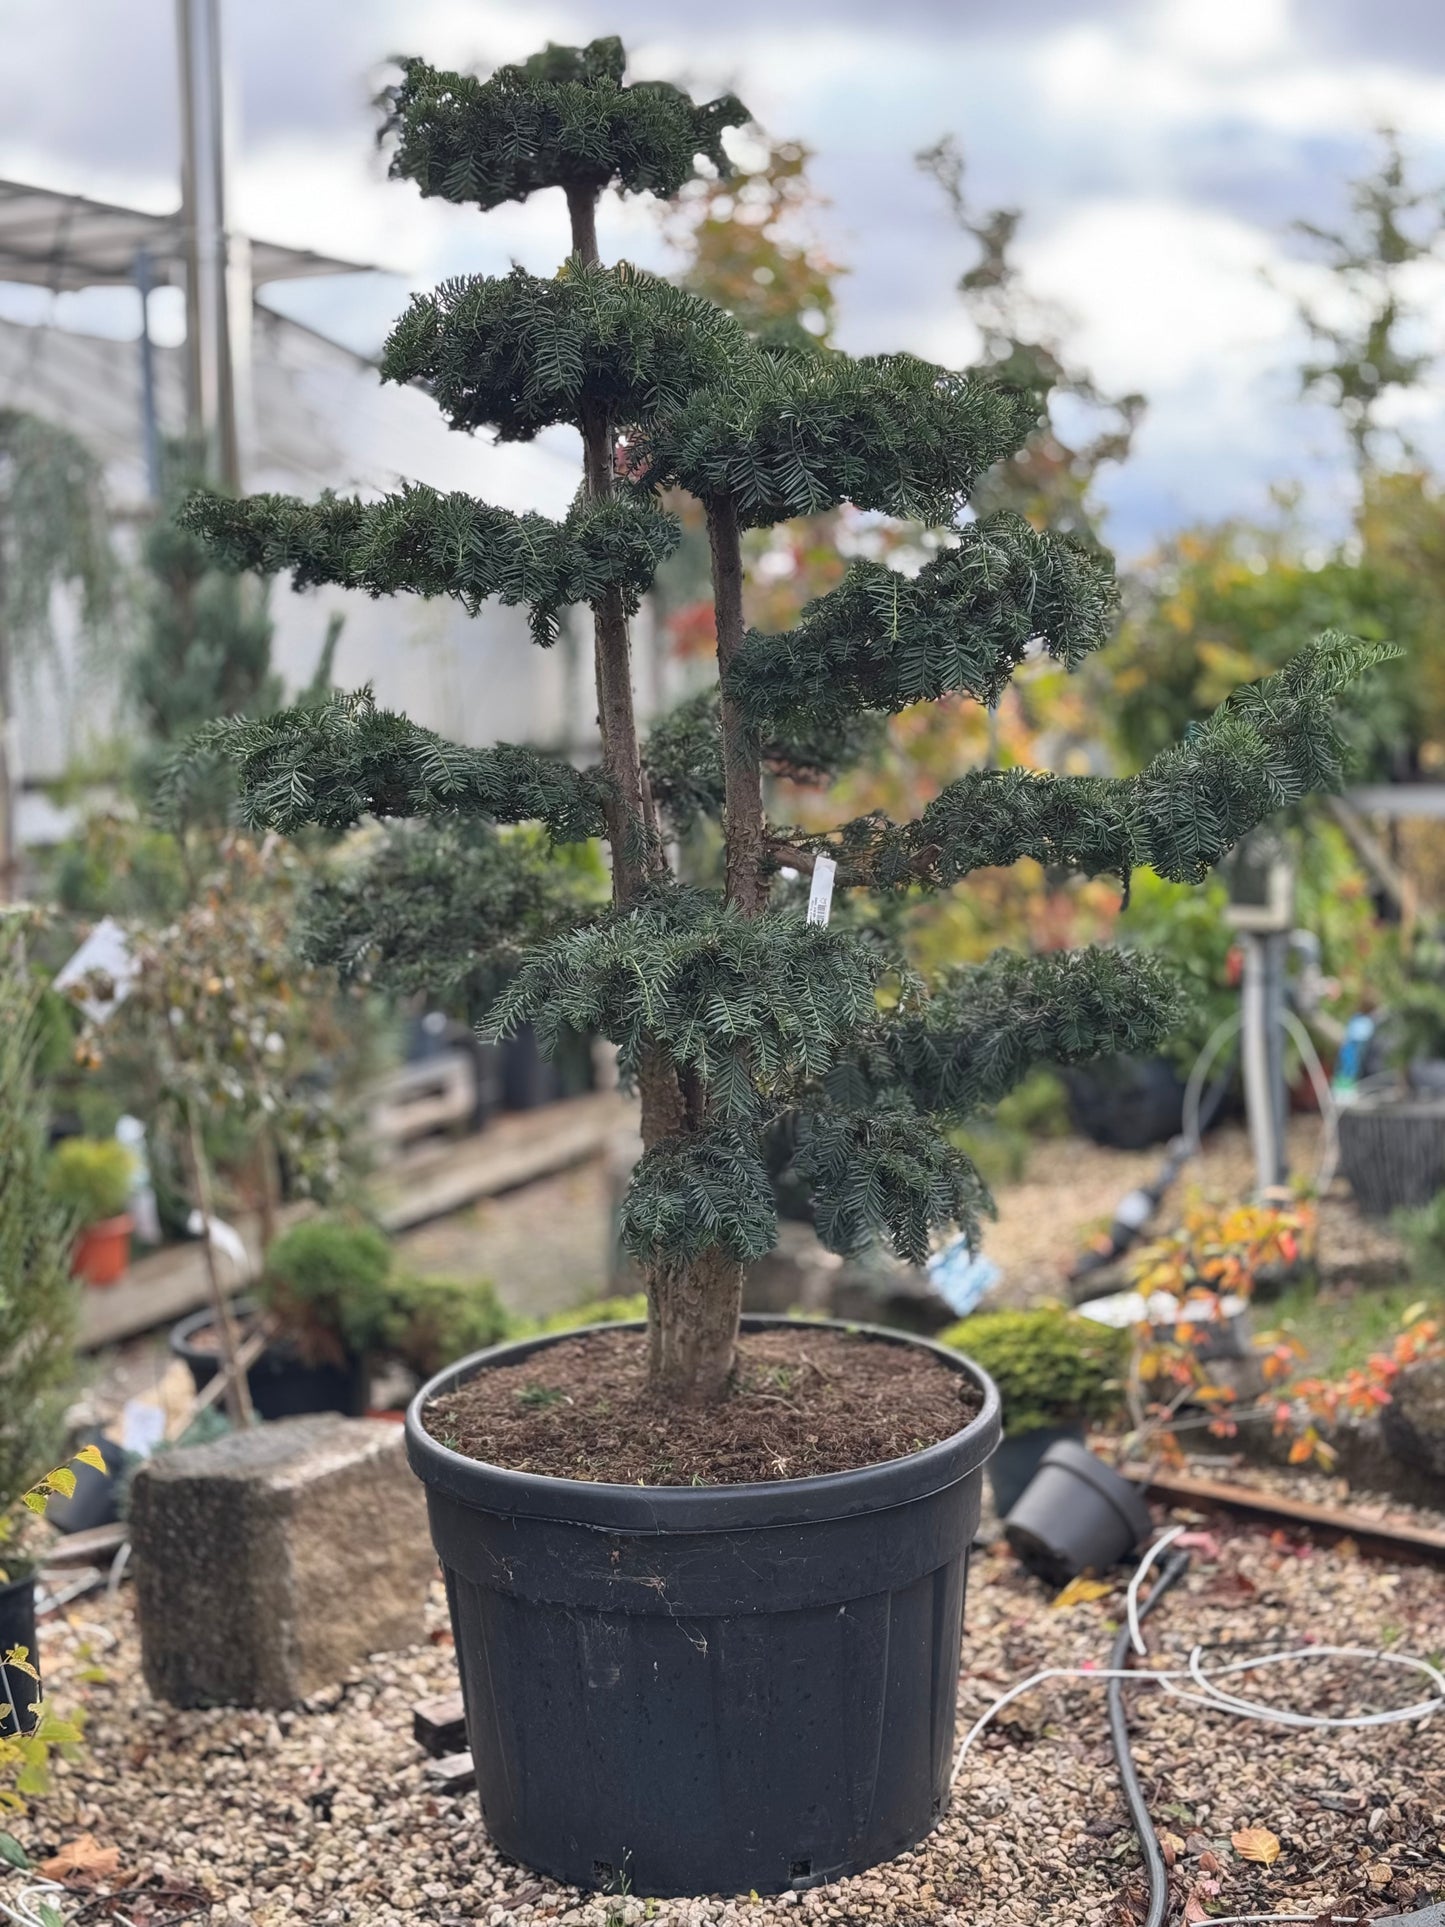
[142, 1426]
[106, 952]
[820, 897]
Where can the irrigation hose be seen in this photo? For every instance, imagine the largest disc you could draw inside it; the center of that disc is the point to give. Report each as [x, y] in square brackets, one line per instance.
[1173, 1569]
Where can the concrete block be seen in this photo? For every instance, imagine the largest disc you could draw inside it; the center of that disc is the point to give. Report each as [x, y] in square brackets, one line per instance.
[270, 1561]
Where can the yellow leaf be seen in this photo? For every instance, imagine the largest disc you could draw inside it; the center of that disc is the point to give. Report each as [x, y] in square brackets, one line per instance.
[32, 1779]
[1256, 1843]
[62, 1480]
[19, 1658]
[36, 1500]
[1415, 1312]
[1078, 1592]
[92, 1456]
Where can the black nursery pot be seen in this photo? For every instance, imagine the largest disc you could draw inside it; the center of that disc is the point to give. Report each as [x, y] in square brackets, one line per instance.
[282, 1384]
[692, 1690]
[1392, 1150]
[17, 1628]
[1077, 1515]
[1019, 1457]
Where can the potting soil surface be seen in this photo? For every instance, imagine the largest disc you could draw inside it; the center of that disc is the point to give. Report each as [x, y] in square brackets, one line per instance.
[322, 1816]
[803, 1402]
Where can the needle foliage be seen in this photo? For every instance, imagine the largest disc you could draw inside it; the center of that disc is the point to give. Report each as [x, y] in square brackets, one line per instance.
[735, 1018]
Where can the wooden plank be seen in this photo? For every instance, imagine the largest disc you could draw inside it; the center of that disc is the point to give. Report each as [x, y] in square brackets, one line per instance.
[454, 1774]
[1340, 1520]
[440, 1725]
[157, 1290]
[511, 1152]
[96, 1545]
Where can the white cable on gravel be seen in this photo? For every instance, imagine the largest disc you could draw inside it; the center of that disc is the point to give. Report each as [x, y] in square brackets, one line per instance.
[1210, 1695]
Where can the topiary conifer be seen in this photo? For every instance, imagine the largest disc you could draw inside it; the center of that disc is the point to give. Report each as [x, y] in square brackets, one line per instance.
[733, 1013]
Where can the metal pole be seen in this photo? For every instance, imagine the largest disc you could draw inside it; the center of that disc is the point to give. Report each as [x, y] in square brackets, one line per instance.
[1254, 1059]
[150, 423]
[211, 392]
[1276, 992]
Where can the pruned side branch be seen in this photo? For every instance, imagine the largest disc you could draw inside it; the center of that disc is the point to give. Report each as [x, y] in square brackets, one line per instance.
[332, 763]
[1266, 747]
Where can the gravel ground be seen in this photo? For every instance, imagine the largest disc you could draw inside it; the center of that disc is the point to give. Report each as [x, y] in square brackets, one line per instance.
[320, 1816]
[1071, 1187]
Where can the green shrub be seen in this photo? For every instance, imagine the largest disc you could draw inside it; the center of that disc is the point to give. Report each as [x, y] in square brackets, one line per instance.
[91, 1176]
[1039, 1106]
[37, 1293]
[431, 1322]
[1051, 1366]
[598, 1311]
[329, 1284]
[1423, 1230]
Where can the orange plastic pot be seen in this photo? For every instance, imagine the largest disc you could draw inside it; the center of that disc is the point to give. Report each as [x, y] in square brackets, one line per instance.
[102, 1251]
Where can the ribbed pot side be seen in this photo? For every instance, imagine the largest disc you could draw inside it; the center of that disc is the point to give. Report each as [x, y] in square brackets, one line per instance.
[690, 1690]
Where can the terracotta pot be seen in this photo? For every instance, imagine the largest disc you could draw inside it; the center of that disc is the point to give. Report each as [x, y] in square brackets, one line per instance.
[102, 1251]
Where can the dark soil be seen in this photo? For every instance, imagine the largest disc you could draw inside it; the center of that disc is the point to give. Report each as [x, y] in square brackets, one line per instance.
[803, 1402]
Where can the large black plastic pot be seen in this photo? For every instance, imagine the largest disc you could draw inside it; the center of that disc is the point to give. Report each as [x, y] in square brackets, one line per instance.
[1126, 1103]
[692, 1690]
[282, 1384]
[1077, 1515]
[1018, 1458]
[1392, 1150]
[17, 1628]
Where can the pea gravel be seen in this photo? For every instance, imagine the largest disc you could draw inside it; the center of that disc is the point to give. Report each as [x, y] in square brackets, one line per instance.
[321, 1815]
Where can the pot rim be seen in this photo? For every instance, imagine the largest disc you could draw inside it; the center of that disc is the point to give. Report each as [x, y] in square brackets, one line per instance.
[677, 1508]
[120, 1224]
[1120, 1494]
[179, 1340]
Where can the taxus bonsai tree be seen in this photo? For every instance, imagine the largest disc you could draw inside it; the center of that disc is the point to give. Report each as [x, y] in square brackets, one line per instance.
[734, 1014]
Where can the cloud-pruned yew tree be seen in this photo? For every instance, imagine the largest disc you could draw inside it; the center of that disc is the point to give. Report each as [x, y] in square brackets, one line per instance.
[733, 1014]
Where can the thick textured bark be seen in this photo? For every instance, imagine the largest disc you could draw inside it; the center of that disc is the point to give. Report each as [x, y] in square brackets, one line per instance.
[747, 884]
[693, 1328]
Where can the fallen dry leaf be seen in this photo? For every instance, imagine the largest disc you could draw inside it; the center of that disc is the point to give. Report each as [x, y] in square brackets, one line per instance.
[1256, 1843]
[1171, 1846]
[83, 1859]
[1079, 1591]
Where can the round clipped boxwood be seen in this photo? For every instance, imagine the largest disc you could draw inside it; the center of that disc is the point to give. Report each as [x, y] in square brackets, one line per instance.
[707, 1689]
[1056, 1372]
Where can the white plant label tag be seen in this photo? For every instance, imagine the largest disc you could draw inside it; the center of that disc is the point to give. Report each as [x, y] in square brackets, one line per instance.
[820, 897]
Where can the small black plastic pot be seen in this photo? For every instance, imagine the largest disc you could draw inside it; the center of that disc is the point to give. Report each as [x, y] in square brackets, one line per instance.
[1018, 1458]
[17, 1628]
[1077, 1515]
[693, 1690]
[282, 1384]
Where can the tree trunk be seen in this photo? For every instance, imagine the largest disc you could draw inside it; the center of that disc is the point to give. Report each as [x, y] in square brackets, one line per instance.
[693, 1314]
[636, 852]
[693, 1328]
[747, 884]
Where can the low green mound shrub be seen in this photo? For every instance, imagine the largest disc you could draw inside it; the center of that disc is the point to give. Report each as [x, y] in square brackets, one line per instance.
[432, 1322]
[1051, 1366]
[328, 1282]
[91, 1176]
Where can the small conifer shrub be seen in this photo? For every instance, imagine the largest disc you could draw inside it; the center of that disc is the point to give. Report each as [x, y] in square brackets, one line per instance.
[733, 1013]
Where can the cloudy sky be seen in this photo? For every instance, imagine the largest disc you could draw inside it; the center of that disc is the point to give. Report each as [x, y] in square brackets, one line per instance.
[1160, 149]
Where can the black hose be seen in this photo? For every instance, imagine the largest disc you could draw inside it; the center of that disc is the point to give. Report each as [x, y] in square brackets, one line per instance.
[1173, 1569]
